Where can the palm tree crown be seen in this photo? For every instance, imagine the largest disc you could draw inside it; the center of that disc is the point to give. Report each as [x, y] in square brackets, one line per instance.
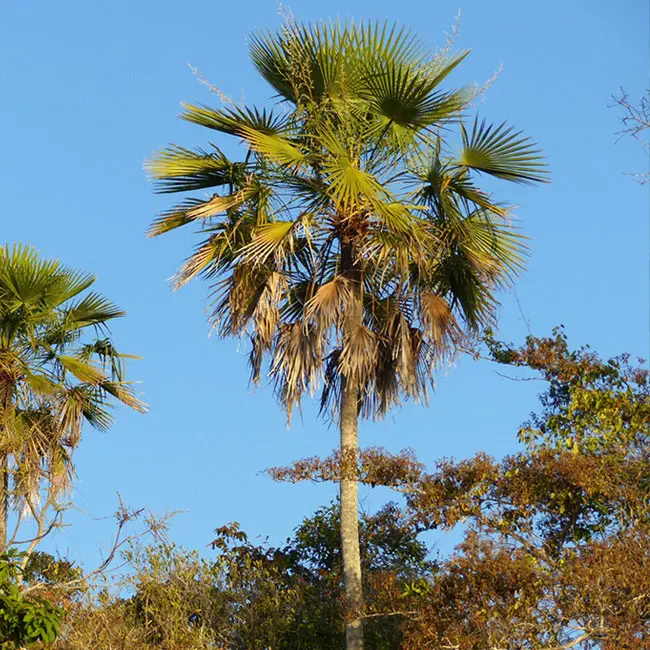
[58, 369]
[350, 241]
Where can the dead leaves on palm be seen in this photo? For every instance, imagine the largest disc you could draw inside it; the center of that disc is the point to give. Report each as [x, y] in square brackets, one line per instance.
[296, 364]
[438, 322]
[357, 360]
[328, 305]
[38, 452]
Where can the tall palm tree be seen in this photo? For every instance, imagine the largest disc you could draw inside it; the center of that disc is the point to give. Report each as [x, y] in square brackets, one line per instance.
[58, 369]
[349, 242]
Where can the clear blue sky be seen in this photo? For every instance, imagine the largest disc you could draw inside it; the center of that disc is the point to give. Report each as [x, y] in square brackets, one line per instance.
[91, 89]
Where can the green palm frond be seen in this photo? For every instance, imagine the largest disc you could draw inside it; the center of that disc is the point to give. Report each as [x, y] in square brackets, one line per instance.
[105, 352]
[403, 96]
[206, 259]
[125, 393]
[84, 371]
[193, 210]
[299, 62]
[74, 283]
[175, 217]
[82, 403]
[457, 280]
[40, 383]
[347, 184]
[91, 310]
[502, 152]
[384, 41]
[268, 239]
[275, 147]
[446, 188]
[329, 59]
[25, 278]
[176, 169]
[232, 120]
[497, 249]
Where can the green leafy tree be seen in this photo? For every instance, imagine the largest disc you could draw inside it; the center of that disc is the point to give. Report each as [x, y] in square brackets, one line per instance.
[351, 241]
[59, 369]
[23, 621]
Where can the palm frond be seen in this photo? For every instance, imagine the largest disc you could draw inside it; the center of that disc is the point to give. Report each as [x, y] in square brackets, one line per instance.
[54, 384]
[358, 356]
[328, 305]
[233, 120]
[405, 97]
[502, 152]
[125, 393]
[193, 210]
[297, 364]
[82, 403]
[206, 259]
[275, 147]
[176, 169]
[497, 250]
[91, 310]
[112, 360]
[439, 323]
[268, 239]
[347, 184]
[40, 383]
[84, 371]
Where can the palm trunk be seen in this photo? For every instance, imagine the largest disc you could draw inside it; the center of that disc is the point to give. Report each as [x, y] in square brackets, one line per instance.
[349, 452]
[350, 522]
[4, 500]
[6, 393]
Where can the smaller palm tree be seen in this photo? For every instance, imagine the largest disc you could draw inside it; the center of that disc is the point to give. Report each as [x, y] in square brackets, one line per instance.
[59, 369]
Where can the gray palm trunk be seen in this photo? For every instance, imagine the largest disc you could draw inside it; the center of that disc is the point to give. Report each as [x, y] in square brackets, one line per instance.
[4, 499]
[5, 404]
[349, 450]
[350, 523]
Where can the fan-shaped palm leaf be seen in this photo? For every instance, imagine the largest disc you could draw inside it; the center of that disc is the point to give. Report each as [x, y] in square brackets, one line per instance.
[502, 152]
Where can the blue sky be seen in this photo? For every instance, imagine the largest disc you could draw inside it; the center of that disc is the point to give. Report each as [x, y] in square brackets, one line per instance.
[91, 89]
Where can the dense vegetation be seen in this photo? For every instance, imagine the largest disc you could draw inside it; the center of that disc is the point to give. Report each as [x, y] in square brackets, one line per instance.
[555, 548]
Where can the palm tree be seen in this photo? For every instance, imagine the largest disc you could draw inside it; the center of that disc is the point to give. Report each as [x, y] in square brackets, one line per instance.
[58, 369]
[349, 241]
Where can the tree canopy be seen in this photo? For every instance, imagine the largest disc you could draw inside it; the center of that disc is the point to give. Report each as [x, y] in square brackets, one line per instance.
[351, 188]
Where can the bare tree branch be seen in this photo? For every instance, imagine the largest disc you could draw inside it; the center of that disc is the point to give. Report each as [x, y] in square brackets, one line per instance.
[636, 123]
